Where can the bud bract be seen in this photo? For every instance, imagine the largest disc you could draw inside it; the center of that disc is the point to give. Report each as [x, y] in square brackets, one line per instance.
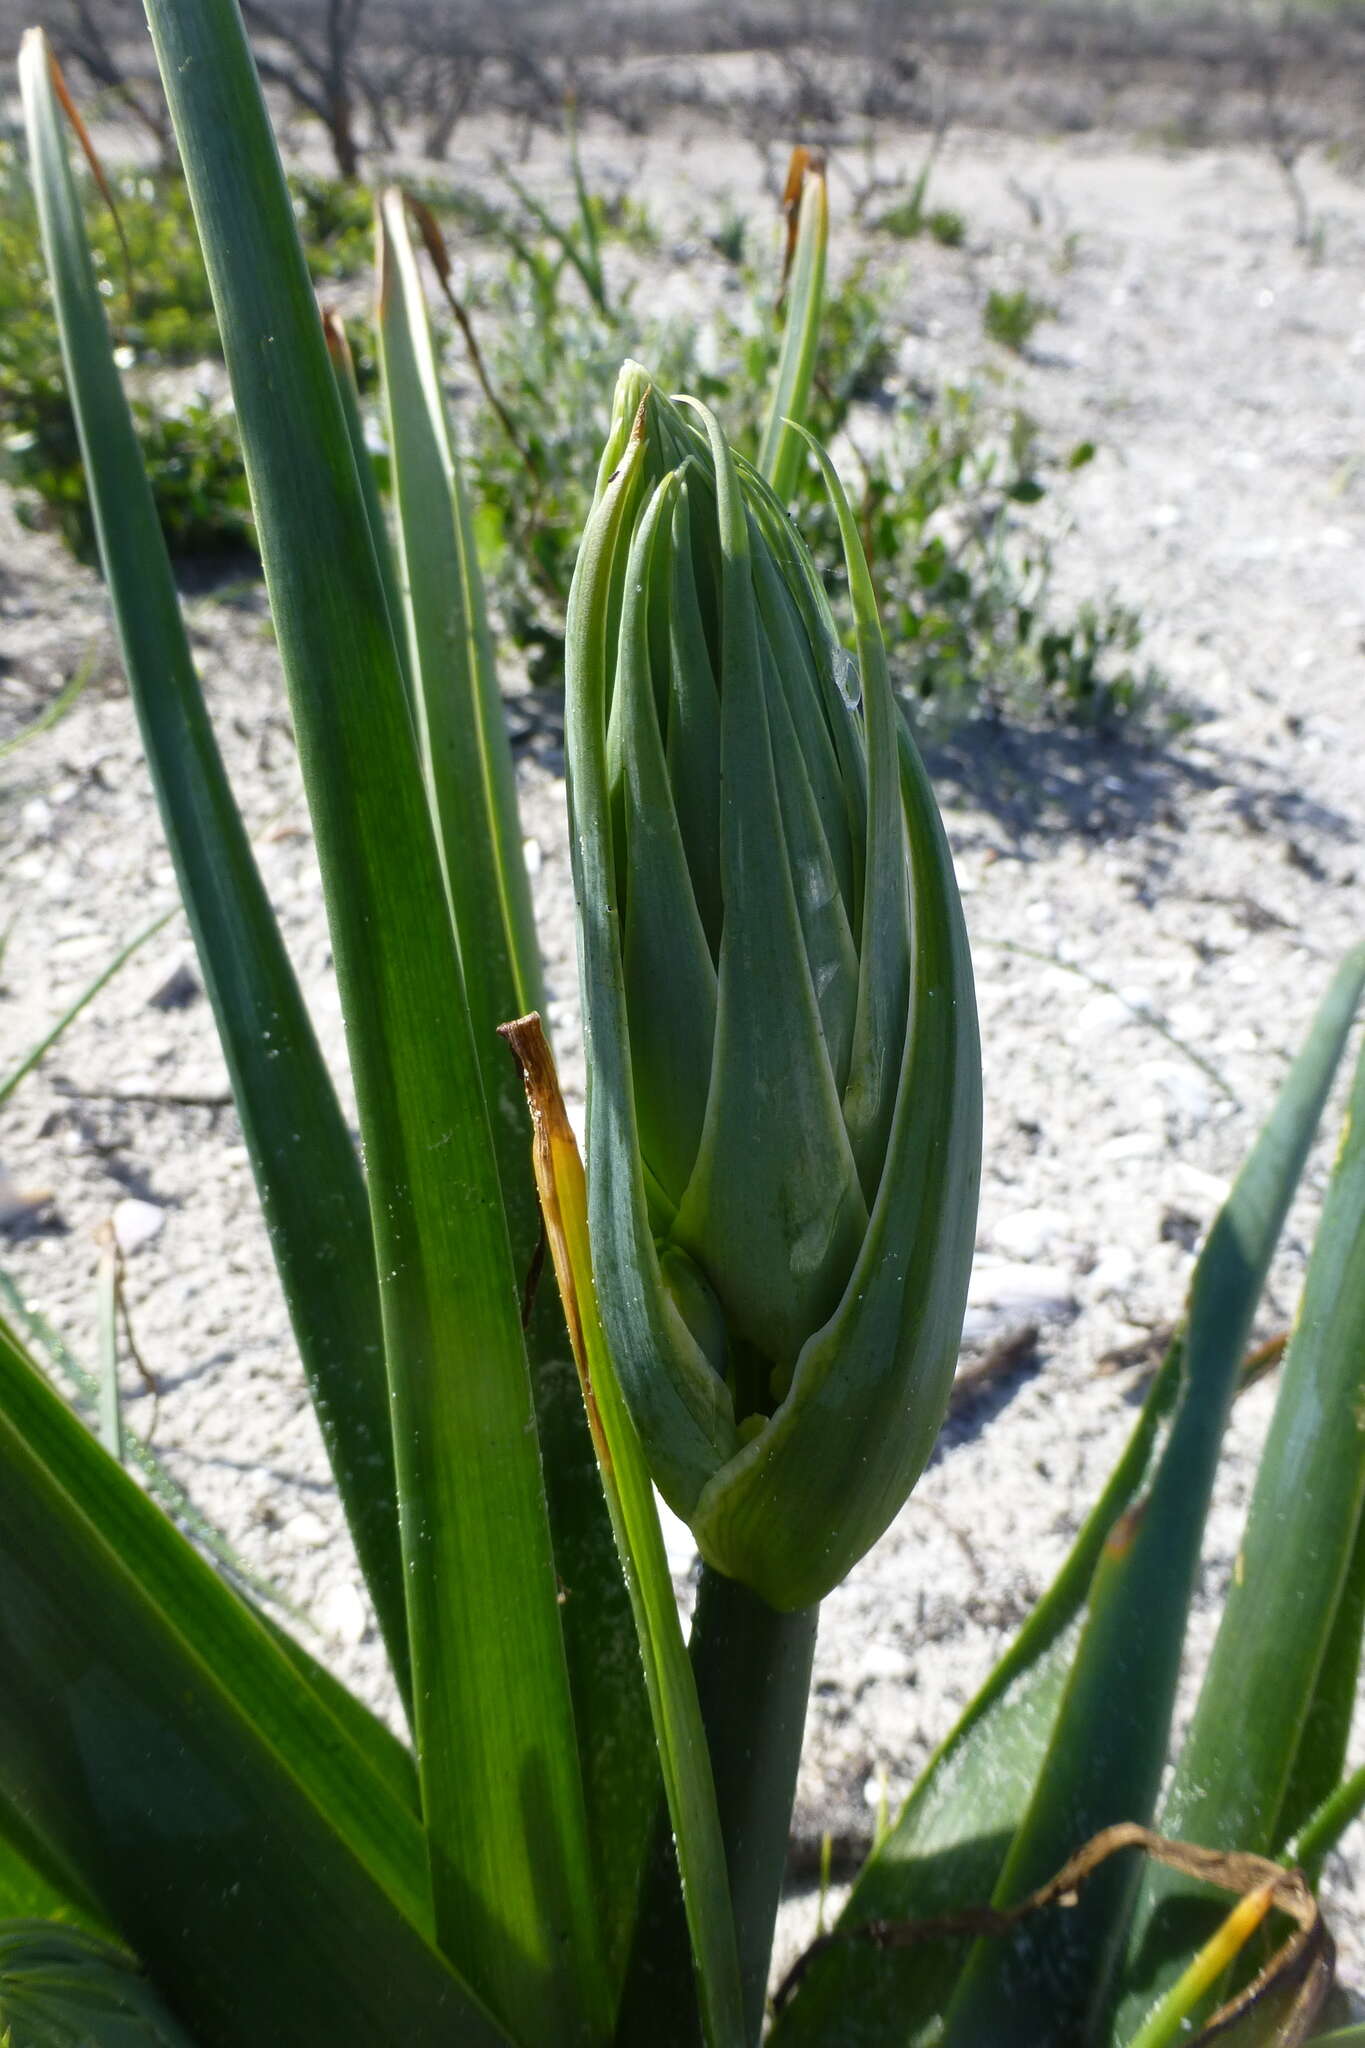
[783, 1138]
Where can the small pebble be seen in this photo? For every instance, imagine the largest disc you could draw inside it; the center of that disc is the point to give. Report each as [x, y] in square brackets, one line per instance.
[136, 1224]
[1129, 1145]
[1028, 1232]
[1186, 1183]
[174, 990]
[1022, 1290]
[884, 1663]
[1113, 1271]
[342, 1614]
[19, 1205]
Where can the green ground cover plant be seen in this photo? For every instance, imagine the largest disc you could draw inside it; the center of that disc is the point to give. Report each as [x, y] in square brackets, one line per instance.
[906, 220]
[963, 580]
[1013, 318]
[146, 256]
[964, 587]
[204, 1838]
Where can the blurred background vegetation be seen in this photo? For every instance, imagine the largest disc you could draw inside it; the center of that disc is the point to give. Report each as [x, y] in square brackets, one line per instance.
[948, 479]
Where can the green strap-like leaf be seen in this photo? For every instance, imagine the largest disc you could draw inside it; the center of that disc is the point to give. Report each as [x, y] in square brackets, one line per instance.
[275, 1690]
[468, 765]
[684, 1761]
[60, 1987]
[83, 1387]
[681, 1403]
[870, 1387]
[502, 1793]
[304, 1160]
[1235, 1766]
[1303, 1538]
[670, 978]
[32, 1885]
[581, 251]
[950, 1843]
[1323, 1745]
[343, 369]
[382, 1750]
[460, 721]
[947, 1845]
[108, 1405]
[785, 624]
[1108, 1748]
[587, 212]
[831, 954]
[781, 453]
[884, 935]
[1324, 1829]
[693, 736]
[161, 1746]
[806, 1217]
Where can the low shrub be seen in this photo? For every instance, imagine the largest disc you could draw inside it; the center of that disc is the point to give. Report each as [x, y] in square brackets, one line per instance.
[151, 273]
[1013, 318]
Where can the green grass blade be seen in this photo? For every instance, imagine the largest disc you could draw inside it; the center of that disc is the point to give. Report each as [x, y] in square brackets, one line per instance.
[85, 1396]
[582, 255]
[55, 711]
[301, 1150]
[109, 1407]
[160, 1745]
[1251, 1721]
[782, 450]
[501, 1787]
[587, 212]
[87, 996]
[1108, 1748]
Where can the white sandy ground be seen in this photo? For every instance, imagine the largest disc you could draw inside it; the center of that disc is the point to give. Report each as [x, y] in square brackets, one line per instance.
[1217, 881]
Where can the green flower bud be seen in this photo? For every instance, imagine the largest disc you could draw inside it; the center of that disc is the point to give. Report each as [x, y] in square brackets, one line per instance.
[784, 1110]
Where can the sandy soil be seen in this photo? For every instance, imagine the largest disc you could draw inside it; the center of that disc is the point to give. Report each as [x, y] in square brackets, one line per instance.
[1214, 881]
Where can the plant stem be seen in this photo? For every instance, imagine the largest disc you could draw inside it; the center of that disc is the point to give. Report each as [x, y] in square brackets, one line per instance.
[753, 1668]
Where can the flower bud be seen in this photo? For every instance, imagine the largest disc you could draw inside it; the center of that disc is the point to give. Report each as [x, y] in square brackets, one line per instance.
[783, 1135]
